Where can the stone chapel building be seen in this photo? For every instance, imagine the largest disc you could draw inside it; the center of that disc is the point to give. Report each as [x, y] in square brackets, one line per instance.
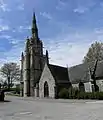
[41, 79]
[38, 77]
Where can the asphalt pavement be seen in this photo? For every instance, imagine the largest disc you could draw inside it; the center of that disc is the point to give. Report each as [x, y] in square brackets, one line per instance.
[17, 108]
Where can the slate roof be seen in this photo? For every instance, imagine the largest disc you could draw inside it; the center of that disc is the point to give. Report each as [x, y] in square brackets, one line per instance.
[59, 73]
[81, 72]
[99, 70]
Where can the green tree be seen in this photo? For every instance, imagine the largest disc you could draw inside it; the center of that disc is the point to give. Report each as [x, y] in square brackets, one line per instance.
[94, 53]
[93, 56]
[11, 72]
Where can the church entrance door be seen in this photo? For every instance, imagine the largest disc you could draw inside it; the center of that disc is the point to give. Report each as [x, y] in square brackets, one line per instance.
[46, 89]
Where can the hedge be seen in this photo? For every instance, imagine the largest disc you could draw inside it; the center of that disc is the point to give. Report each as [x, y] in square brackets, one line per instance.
[72, 93]
[15, 90]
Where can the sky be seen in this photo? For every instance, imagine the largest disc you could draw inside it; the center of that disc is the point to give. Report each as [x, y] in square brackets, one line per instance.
[66, 27]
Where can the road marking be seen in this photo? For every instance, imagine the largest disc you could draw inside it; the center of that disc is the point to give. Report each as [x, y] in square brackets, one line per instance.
[95, 102]
[25, 113]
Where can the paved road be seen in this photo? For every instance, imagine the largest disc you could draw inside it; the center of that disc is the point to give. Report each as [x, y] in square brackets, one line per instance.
[30, 109]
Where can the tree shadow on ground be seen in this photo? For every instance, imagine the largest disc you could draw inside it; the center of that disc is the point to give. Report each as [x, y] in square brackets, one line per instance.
[5, 101]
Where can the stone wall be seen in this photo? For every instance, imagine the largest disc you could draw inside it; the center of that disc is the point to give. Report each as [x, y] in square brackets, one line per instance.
[75, 85]
[100, 84]
[88, 87]
[47, 76]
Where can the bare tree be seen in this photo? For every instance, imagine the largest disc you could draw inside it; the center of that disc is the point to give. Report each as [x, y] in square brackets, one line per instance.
[3, 82]
[11, 72]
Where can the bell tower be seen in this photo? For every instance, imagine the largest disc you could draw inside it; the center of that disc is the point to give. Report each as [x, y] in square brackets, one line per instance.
[36, 56]
[34, 29]
[32, 62]
[27, 70]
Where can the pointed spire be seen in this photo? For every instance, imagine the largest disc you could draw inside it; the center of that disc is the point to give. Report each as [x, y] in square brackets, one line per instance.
[27, 45]
[47, 57]
[22, 55]
[46, 53]
[34, 27]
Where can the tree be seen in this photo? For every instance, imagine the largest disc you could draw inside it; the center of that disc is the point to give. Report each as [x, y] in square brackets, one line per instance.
[11, 72]
[94, 53]
[3, 83]
[93, 56]
[93, 76]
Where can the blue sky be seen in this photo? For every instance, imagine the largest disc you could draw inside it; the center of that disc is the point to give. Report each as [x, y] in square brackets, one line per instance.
[67, 28]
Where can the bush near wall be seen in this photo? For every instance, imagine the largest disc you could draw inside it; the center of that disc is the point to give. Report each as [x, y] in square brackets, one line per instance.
[72, 93]
[64, 93]
[15, 90]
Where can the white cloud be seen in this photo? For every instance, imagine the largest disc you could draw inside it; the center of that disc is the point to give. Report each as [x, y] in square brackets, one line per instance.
[62, 5]
[21, 28]
[80, 10]
[14, 41]
[20, 7]
[83, 6]
[5, 36]
[3, 6]
[98, 30]
[4, 27]
[63, 52]
[65, 49]
[71, 48]
[14, 54]
[2, 61]
[13, 30]
[11, 39]
[46, 15]
[69, 54]
[101, 4]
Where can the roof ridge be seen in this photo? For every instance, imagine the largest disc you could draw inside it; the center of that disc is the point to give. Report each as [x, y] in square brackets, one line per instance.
[57, 66]
[78, 65]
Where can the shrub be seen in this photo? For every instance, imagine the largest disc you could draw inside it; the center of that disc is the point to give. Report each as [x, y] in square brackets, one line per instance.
[15, 90]
[73, 93]
[64, 93]
[81, 95]
[100, 94]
